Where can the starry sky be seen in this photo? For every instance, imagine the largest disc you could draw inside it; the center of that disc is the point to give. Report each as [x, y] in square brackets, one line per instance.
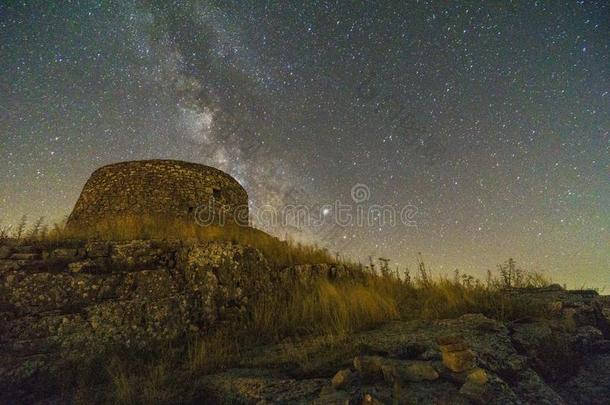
[490, 118]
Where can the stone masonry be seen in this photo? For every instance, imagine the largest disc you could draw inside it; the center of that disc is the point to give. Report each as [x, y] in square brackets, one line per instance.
[162, 189]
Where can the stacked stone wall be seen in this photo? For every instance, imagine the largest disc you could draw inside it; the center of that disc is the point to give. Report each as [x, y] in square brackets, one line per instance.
[163, 189]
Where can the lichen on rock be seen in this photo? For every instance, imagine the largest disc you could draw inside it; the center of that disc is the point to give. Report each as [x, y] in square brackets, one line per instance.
[134, 295]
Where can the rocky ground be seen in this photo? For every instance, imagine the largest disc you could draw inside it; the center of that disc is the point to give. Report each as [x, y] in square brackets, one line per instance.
[63, 303]
[471, 359]
[55, 302]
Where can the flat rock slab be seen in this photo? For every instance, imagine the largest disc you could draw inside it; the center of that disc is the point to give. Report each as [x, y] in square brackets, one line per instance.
[252, 386]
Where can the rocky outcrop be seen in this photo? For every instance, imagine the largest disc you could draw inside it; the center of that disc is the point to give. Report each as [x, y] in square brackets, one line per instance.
[580, 307]
[468, 360]
[75, 301]
[60, 304]
[64, 304]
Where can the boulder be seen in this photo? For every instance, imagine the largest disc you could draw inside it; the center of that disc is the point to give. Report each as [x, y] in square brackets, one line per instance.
[125, 295]
[408, 370]
[342, 378]
[477, 376]
[474, 391]
[97, 249]
[531, 335]
[455, 353]
[459, 361]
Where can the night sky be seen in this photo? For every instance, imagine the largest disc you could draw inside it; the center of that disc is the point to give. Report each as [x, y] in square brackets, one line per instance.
[492, 120]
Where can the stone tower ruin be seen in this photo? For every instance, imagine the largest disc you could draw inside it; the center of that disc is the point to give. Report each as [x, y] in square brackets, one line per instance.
[165, 189]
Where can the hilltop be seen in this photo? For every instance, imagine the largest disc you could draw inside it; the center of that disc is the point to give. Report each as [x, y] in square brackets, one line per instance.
[221, 321]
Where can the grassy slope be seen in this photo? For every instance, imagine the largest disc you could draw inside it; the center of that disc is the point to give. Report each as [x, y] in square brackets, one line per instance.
[322, 313]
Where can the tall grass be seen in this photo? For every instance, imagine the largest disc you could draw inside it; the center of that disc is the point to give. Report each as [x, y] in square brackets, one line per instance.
[332, 310]
[297, 311]
[215, 351]
[312, 324]
[445, 298]
[322, 308]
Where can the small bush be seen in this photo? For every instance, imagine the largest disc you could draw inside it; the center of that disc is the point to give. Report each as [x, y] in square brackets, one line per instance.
[512, 276]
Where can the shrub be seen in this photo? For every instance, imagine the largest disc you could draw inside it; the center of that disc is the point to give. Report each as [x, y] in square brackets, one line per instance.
[512, 276]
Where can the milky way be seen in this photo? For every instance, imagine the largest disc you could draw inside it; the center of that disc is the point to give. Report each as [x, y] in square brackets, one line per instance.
[491, 120]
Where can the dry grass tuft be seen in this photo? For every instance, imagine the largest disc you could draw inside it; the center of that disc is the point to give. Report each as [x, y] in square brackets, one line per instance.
[213, 352]
[322, 308]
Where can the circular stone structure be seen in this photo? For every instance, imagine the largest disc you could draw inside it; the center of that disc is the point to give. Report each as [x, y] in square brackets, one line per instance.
[164, 189]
